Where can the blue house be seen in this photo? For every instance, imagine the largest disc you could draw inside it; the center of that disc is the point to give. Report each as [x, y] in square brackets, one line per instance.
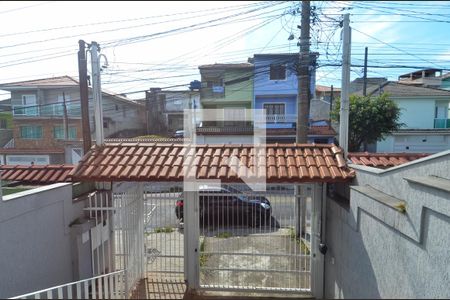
[276, 87]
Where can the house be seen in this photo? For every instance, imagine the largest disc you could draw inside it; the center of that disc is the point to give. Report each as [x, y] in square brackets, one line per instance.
[5, 123]
[166, 109]
[46, 120]
[425, 77]
[268, 81]
[323, 100]
[227, 86]
[424, 113]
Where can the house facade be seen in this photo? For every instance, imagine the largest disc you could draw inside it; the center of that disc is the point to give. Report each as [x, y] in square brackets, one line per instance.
[424, 113]
[268, 82]
[166, 107]
[46, 120]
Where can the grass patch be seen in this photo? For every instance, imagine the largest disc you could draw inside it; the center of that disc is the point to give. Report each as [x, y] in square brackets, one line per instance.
[203, 257]
[224, 235]
[303, 246]
[9, 191]
[166, 229]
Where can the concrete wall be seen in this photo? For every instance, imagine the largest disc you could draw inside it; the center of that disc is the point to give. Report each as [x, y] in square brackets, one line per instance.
[375, 251]
[35, 248]
[415, 143]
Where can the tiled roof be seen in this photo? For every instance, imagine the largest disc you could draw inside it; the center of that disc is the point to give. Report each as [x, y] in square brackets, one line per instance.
[324, 88]
[396, 89]
[54, 81]
[164, 162]
[227, 66]
[383, 160]
[31, 151]
[321, 130]
[36, 174]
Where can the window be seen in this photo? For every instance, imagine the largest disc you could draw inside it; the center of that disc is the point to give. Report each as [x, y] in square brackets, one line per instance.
[3, 124]
[105, 124]
[58, 133]
[274, 108]
[277, 72]
[31, 132]
[28, 100]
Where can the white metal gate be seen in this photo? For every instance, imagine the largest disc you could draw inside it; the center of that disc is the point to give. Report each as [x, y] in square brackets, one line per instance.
[164, 231]
[128, 220]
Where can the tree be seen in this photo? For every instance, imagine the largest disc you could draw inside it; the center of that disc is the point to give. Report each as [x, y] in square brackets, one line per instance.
[370, 119]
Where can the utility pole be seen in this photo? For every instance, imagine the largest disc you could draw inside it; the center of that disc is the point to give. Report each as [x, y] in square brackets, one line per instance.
[97, 93]
[84, 96]
[303, 91]
[65, 121]
[331, 100]
[344, 109]
[365, 73]
[303, 96]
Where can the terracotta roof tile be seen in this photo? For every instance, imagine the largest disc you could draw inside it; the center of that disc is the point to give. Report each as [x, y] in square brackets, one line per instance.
[383, 160]
[36, 174]
[164, 162]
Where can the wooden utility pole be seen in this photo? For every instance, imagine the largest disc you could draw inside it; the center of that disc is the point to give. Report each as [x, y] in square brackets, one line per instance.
[303, 96]
[84, 96]
[303, 91]
[365, 73]
[331, 100]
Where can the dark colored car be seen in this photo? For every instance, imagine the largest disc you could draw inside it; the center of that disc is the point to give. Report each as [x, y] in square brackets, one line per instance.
[228, 206]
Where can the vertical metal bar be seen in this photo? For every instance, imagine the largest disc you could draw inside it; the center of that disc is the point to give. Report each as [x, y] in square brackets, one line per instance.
[49, 294]
[60, 293]
[86, 290]
[78, 296]
[94, 289]
[69, 292]
[37, 296]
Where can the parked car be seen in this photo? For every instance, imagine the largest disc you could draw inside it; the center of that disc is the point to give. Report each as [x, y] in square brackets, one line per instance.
[229, 206]
[178, 134]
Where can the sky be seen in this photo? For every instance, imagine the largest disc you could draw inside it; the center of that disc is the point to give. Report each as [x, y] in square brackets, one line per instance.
[161, 44]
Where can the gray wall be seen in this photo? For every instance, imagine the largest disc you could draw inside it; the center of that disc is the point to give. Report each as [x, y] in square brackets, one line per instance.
[35, 248]
[376, 251]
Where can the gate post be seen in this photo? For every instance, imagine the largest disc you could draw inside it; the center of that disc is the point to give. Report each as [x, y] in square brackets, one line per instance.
[317, 227]
[191, 241]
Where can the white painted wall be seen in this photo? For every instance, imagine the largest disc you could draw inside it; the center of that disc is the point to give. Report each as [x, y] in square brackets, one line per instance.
[418, 143]
[35, 248]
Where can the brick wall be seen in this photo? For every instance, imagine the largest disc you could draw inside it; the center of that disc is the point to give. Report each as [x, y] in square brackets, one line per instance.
[47, 140]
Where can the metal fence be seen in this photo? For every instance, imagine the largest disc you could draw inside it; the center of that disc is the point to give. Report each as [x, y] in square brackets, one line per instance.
[164, 238]
[107, 286]
[255, 240]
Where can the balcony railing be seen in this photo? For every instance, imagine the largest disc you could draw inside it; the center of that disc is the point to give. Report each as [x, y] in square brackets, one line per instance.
[441, 123]
[47, 110]
[25, 110]
[281, 118]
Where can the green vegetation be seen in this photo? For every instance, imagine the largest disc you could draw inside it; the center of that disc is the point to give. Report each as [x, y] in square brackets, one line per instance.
[166, 229]
[224, 235]
[370, 119]
[150, 136]
[303, 246]
[12, 190]
[203, 257]
[8, 117]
